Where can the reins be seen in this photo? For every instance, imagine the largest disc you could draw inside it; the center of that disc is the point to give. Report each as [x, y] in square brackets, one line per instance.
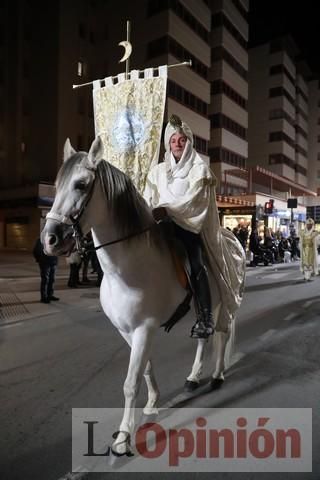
[77, 231]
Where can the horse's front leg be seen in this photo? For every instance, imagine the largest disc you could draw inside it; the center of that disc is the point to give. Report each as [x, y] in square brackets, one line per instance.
[193, 380]
[140, 353]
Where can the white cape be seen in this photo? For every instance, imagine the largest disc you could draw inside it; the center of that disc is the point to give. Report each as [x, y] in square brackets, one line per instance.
[315, 238]
[191, 203]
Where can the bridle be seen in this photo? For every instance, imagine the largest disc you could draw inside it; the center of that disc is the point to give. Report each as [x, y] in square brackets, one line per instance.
[74, 222]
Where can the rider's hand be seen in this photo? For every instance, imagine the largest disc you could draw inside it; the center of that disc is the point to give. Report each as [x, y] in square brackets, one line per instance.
[159, 214]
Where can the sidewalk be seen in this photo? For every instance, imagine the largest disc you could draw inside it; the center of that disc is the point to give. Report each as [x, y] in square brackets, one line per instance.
[19, 290]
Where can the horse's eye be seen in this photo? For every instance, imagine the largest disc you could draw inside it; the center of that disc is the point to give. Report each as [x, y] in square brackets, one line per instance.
[80, 185]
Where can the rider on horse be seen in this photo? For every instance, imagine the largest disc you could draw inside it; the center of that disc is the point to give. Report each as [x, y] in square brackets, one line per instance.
[179, 188]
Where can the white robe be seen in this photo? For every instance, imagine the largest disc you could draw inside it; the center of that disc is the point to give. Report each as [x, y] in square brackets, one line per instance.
[315, 240]
[187, 191]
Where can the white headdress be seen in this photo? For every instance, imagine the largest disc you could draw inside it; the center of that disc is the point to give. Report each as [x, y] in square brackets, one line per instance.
[178, 169]
[176, 125]
[310, 221]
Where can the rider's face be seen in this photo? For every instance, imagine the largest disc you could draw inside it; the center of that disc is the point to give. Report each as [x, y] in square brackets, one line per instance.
[309, 226]
[177, 144]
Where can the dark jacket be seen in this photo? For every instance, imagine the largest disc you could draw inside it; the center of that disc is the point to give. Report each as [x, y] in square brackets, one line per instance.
[41, 257]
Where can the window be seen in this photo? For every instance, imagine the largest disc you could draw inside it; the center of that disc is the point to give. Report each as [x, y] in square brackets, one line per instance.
[278, 113]
[181, 95]
[280, 158]
[278, 69]
[221, 20]
[301, 170]
[219, 86]
[280, 91]
[166, 44]
[220, 53]
[220, 154]
[281, 137]
[157, 6]
[219, 120]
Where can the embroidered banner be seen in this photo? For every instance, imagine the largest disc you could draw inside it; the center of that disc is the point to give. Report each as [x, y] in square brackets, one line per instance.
[128, 117]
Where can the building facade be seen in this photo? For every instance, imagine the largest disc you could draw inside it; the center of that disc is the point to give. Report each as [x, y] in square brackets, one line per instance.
[228, 111]
[40, 61]
[314, 135]
[278, 110]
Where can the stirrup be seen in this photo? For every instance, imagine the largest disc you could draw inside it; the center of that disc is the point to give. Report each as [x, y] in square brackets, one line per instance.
[201, 330]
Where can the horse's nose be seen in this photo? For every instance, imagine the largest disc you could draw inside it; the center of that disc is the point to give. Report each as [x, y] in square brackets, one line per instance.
[52, 240]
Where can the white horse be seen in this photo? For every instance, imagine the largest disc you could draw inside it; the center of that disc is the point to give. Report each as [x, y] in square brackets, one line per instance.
[140, 289]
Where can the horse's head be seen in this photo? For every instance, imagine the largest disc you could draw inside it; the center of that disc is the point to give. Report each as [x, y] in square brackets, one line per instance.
[74, 187]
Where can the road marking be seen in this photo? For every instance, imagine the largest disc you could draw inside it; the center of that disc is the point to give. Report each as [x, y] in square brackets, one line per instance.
[266, 335]
[291, 316]
[309, 303]
[76, 476]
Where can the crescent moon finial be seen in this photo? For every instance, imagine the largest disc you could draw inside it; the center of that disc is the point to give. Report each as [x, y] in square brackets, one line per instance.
[127, 50]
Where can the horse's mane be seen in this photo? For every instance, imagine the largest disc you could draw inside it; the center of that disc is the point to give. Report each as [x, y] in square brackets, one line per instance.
[129, 210]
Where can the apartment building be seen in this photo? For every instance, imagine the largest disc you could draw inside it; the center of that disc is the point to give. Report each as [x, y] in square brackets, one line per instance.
[165, 32]
[228, 111]
[314, 135]
[278, 110]
[43, 52]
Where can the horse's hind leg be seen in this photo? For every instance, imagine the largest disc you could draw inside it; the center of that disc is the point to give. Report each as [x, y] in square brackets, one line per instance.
[153, 391]
[140, 353]
[193, 380]
[221, 341]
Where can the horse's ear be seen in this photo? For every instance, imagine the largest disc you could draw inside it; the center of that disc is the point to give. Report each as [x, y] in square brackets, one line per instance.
[95, 153]
[68, 150]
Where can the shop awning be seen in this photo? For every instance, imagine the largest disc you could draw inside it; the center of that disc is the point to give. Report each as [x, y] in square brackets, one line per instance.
[261, 176]
[228, 201]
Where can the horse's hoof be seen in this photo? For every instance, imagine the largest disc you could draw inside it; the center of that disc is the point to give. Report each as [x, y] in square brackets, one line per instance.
[216, 383]
[190, 386]
[150, 411]
[128, 453]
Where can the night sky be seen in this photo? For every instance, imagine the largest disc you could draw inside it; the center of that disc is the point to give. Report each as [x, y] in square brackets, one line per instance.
[270, 18]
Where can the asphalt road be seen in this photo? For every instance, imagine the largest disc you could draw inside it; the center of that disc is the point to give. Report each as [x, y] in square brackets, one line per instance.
[69, 356]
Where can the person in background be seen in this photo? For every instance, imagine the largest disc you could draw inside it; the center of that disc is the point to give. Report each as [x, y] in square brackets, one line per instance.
[74, 262]
[309, 239]
[86, 259]
[47, 265]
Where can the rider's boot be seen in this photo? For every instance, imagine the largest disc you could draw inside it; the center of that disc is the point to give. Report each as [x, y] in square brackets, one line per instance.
[204, 326]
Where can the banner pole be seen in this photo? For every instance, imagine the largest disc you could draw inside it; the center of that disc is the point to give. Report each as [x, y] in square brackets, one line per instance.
[188, 63]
